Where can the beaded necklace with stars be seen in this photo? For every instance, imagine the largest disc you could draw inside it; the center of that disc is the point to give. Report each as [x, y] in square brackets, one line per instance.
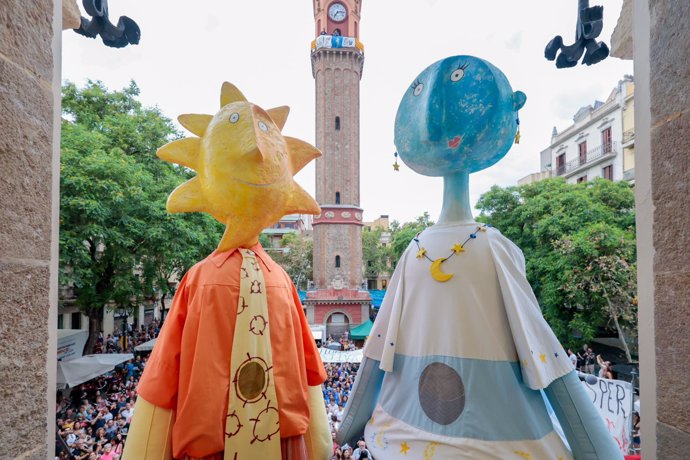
[435, 269]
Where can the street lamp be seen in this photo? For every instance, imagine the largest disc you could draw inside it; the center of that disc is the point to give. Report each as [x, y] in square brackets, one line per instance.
[123, 339]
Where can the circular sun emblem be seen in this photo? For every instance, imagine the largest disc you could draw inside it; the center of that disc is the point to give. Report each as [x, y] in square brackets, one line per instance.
[263, 428]
[251, 380]
[257, 325]
[233, 425]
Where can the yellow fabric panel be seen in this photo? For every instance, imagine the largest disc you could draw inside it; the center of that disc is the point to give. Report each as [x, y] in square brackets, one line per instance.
[318, 437]
[150, 433]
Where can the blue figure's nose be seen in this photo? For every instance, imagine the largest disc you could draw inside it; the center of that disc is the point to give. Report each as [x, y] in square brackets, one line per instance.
[435, 115]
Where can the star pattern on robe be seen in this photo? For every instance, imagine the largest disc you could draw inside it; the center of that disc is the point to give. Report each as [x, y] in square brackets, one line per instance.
[457, 248]
[542, 357]
[421, 253]
[404, 448]
[522, 454]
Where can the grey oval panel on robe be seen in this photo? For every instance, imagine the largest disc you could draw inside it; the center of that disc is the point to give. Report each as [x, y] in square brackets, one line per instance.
[441, 393]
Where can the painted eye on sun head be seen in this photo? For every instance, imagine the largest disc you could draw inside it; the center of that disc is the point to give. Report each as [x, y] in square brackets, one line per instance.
[234, 117]
[262, 126]
[417, 87]
[458, 73]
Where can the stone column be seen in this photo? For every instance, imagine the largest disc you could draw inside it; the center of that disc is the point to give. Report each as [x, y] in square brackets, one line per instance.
[29, 198]
[662, 124]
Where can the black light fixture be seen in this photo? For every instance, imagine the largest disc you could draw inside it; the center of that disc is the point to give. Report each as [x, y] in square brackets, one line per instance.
[590, 22]
[126, 32]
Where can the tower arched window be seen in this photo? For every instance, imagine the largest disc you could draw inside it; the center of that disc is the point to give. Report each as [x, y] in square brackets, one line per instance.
[337, 261]
[337, 123]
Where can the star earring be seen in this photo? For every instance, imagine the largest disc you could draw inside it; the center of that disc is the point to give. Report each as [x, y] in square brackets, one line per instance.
[517, 134]
[396, 165]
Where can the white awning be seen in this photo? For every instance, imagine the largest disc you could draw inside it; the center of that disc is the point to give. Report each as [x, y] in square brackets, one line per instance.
[146, 346]
[317, 333]
[71, 343]
[80, 370]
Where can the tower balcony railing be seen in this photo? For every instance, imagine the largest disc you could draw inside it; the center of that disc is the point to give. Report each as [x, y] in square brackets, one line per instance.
[336, 41]
[604, 150]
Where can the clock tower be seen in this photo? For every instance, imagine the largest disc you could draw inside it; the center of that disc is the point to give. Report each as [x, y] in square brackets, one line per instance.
[337, 59]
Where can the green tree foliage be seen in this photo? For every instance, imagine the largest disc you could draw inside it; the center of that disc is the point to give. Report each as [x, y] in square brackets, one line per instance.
[579, 246]
[296, 260]
[401, 235]
[118, 245]
[375, 255]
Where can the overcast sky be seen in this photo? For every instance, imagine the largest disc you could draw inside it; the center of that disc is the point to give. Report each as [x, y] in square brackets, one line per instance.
[188, 48]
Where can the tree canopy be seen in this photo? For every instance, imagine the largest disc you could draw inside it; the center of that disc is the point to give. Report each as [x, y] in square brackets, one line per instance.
[296, 258]
[118, 245]
[579, 246]
[402, 234]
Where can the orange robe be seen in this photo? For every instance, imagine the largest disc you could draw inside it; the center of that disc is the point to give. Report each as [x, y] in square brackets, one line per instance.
[189, 369]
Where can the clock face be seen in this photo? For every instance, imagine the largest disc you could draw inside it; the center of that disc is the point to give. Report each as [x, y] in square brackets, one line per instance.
[337, 12]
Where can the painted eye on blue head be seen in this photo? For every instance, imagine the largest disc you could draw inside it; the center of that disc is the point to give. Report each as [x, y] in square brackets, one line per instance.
[458, 73]
[417, 87]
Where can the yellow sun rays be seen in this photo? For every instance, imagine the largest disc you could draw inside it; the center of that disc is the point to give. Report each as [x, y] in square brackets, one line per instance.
[245, 207]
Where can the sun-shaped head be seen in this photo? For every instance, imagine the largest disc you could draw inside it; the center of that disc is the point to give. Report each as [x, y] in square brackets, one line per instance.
[459, 115]
[245, 168]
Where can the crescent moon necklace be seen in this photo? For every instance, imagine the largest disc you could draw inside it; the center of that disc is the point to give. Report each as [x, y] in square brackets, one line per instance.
[435, 269]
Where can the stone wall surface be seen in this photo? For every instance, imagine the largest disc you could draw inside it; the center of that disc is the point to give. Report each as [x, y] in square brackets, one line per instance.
[26, 207]
[670, 178]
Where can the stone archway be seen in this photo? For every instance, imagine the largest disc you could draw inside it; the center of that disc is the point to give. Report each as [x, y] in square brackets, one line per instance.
[337, 324]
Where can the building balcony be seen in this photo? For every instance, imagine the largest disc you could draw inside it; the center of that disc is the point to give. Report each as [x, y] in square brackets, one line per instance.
[594, 156]
[629, 175]
[628, 137]
[335, 42]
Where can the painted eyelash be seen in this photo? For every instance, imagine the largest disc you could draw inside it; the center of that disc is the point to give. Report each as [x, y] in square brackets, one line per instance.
[463, 66]
[415, 84]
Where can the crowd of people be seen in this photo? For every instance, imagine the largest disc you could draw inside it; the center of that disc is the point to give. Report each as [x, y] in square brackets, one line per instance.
[93, 418]
[336, 391]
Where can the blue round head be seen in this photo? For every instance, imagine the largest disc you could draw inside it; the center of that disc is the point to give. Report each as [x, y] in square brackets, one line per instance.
[459, 115]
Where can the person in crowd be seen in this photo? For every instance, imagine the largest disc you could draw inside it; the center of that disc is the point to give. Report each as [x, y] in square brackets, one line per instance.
[573, 358]
[333, 423]
[361, 451]
[636, 431]
[590, 360]
[605, 370]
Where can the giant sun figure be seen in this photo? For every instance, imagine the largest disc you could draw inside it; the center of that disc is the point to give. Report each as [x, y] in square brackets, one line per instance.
[235, 372]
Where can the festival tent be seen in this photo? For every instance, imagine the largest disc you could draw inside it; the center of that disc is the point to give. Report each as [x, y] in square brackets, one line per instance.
[362, 331]
[146, 346]
[80, 370]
